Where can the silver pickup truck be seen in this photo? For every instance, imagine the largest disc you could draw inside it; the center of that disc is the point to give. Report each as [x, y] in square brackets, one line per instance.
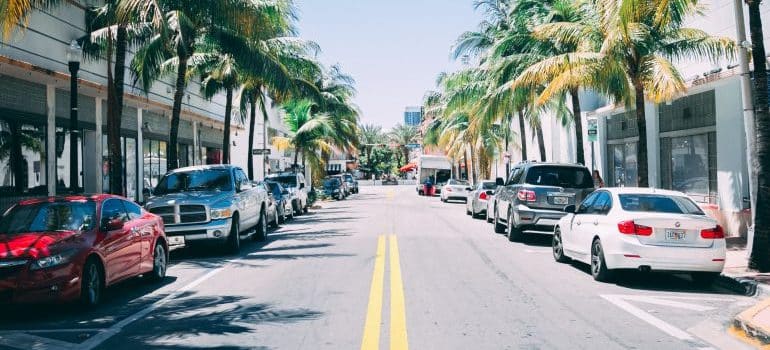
[212, 203]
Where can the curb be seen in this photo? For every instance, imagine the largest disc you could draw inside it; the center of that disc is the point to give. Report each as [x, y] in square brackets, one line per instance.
[741, 285]
[748, 328]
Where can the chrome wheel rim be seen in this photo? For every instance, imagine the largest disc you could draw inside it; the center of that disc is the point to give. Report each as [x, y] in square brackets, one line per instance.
[160, 261]
[557, 245]
[596, 258]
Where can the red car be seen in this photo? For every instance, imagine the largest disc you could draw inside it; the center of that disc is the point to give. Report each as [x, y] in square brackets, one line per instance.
[70, 248]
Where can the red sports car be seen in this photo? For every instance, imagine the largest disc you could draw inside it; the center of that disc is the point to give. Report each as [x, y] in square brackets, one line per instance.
[70, 248]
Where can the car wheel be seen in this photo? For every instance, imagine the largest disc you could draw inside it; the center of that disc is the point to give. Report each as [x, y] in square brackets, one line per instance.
[499, 228]
[599, 269]
[291, 213]
[297, 208]
[514, 233]
[159, 262]
[91, 284]
[704, 279]
[468, 211]
[306, 209]
[261, 227]
[489, 218]
[234, 239]
[558, 247]
[282, 217]
[276, 221]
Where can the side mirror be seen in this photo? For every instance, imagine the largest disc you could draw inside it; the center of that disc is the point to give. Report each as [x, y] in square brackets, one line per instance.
[112, 225]
[301, 186]
[469, 189]
[499, 181]
[490, 192]
[570, 209]
[147, 192]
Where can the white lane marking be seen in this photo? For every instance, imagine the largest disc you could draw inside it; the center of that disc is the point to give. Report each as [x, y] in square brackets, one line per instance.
[28, 341]
[53, 330]
[646, 317]
[671, 303]
[116, 328]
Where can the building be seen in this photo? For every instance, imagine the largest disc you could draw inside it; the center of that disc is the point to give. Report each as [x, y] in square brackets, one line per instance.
[35, 110]
[413, 116]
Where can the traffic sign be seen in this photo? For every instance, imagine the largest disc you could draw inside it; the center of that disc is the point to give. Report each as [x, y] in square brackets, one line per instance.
[258, 151]
[593, 130]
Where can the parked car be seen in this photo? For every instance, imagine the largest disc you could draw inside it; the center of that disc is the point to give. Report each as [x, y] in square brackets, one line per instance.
[476, 204]
[283, 197]
[534, 197]
[72, 248]
[352, 182]
[455, 190]
[210, 203]
[334, 188]
[491, 204]
[346, 191]
[640, 228]
[295, 183]
[273, 212]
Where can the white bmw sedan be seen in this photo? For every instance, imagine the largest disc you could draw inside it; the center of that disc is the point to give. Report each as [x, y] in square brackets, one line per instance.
[641, 228]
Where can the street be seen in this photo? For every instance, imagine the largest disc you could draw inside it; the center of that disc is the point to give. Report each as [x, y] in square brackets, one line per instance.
[383, 269]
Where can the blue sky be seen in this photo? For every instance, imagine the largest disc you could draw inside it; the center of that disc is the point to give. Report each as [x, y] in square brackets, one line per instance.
[394, 49]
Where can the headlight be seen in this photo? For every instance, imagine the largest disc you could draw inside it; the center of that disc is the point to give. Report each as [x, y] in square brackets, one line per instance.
[53, 260]
[221, 213]
[336, 191]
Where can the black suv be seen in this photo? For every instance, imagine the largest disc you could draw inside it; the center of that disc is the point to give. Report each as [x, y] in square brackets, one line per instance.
[534, 197]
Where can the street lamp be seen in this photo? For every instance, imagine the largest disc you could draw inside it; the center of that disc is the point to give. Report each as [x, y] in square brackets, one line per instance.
[74, 53]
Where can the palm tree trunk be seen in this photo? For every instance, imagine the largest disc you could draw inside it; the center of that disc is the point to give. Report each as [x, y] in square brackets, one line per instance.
[115, 112]
[228, 121]
[467, 166]
[522, 135]
[641, 149]
[265, 117]
[540, 141]
[296, 158]
[507, 140]
[760, 253]
[579, 125]
[172, 156]
[252, 125]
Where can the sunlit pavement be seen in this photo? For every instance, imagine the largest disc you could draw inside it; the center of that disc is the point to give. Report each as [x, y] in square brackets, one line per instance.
[385, 269]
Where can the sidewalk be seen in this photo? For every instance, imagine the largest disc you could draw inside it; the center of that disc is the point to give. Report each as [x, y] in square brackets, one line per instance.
[753, 324]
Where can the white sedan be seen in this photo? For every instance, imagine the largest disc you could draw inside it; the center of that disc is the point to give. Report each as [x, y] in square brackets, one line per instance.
[641, 228]
[455, 190]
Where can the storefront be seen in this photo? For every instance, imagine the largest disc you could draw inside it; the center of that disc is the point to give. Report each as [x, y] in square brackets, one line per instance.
[622, 144]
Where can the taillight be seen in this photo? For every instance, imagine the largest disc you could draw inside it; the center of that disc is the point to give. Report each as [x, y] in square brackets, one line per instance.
[713, 233]
[483, 195]
[631, 228]
[527, 196]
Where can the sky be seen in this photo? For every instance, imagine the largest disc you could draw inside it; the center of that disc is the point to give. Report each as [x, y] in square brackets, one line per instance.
[394, 49]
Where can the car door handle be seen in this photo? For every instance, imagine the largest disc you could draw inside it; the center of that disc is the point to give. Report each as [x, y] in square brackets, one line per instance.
[578, 222]
[596, 223]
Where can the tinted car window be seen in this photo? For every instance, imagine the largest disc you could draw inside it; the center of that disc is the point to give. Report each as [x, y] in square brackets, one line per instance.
[331, 182]
[113, 209]
[659, 204]
[287, 181]
[602, 203]
[47, 216]
[516, 176]
[488, 185]
[457, 182]
[587, 203]
[195, 180]
[134, 210]
[560, 176]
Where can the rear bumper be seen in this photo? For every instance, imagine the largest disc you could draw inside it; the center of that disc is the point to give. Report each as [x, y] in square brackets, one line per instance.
[628, 253]
[541, 220]
[214, 230]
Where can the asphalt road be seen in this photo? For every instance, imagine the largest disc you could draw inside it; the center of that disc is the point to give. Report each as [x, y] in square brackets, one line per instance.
[383, 269]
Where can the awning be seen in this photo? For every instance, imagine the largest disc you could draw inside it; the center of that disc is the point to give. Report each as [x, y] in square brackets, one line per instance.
[408, 167]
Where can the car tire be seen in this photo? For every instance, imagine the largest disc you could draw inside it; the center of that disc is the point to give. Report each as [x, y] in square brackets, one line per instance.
[704, 279]
[514, 233]
[276, 222]
[558, 247]
[599, 269]
[282, 217]
[297, 208]
[306, 209]
[159, 262]
[499, 228]
[468, 212]
[91, 283]
[261, 228]
[290, 215]
[488, 218]
[234, 238]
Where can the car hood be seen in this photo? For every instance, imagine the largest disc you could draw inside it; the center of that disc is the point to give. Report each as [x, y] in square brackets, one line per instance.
[31, 245]
[192, 197]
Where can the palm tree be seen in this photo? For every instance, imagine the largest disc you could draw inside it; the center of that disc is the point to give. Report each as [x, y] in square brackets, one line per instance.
[15, 13]
[402, 136]
[760, 259]
[370, 135]
[627, 54]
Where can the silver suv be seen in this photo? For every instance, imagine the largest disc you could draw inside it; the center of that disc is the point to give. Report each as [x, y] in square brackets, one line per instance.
[534, 197]
[295, 184]
[210, 203]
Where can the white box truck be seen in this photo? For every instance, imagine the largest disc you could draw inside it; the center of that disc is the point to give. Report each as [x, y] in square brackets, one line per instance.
[437, 168]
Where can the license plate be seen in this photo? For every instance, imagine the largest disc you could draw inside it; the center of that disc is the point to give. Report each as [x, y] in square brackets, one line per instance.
[175, 240]
[675, 235]
[560, 200]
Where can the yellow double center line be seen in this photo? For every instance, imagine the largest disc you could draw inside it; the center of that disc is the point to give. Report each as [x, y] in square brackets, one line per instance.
[398, 338]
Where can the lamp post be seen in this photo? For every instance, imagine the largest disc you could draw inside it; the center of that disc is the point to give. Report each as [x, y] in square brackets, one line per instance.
[74, 53]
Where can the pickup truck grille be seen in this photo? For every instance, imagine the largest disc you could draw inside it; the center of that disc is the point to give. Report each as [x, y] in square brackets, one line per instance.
[181, 214]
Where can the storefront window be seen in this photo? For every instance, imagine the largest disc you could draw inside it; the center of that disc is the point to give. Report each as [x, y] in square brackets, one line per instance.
[128, 155]
[624, 167]
[213, 155]
[154, 162]
[687, 164]
[22, 158]
[63, 161]
[185, 155]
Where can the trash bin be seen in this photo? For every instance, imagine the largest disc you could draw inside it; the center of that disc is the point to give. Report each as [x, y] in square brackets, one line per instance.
[429, 190]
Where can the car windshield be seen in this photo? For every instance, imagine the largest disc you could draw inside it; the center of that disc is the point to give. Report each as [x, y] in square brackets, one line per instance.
[458, 182]
[332, 182]
[348, 178]
[659, 204]
[488, 185]
[289, 181]
[195, 180]
[560, 176]
[49, 217]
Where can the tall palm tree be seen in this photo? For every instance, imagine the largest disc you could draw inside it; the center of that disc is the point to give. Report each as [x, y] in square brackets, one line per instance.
[370, 135]
[15, 13]
[760, 259]
[402, 136]
[637, 42]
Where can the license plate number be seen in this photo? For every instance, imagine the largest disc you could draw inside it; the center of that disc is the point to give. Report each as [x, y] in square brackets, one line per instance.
[675, 235]
[560, 200]
[176, 240]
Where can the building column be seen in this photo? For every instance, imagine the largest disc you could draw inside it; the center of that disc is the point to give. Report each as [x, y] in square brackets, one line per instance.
[196, 144]
[99, 146]
[50, 162]
[140, 156]
[653, 143]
